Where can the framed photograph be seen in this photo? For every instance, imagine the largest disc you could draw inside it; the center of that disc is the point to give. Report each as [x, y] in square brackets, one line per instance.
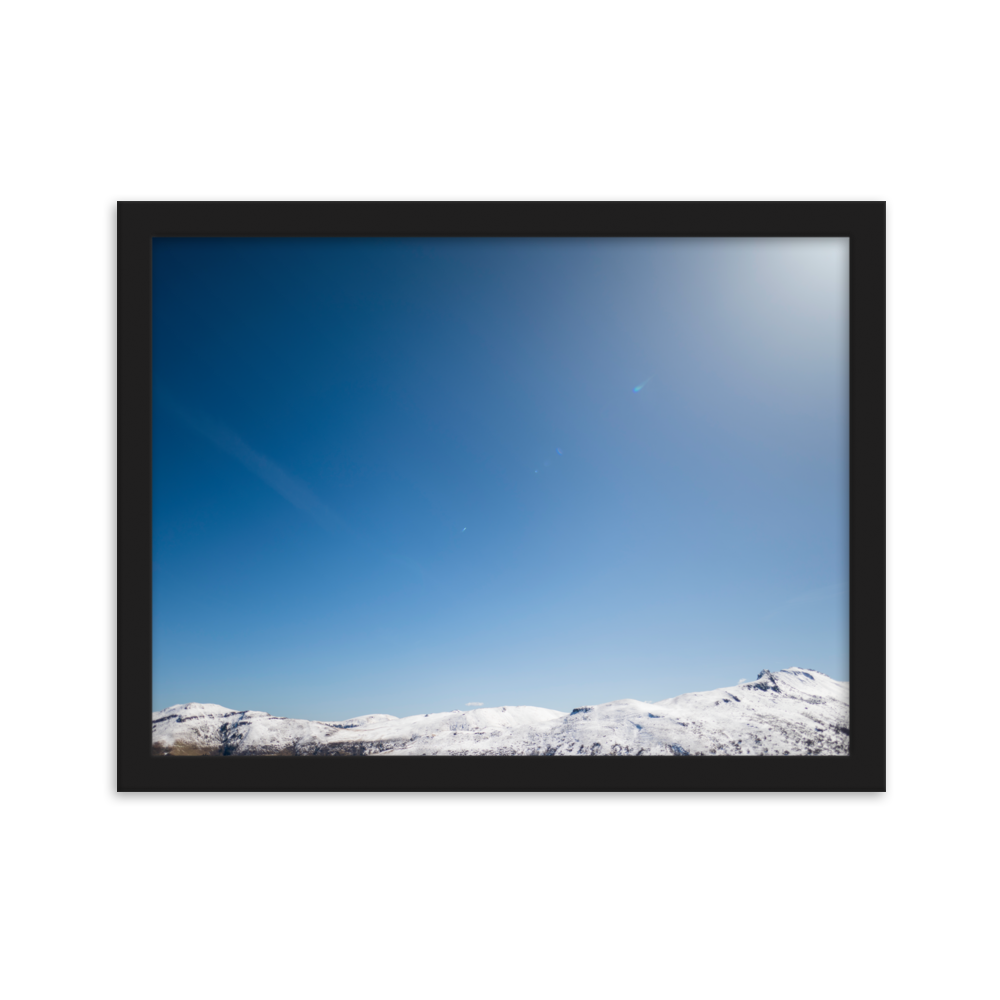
[501, 496]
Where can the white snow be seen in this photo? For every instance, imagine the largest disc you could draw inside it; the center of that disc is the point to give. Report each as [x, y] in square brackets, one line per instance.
[791, 711]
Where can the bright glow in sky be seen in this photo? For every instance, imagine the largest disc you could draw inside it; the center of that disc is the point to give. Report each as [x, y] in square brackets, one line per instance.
[407, 475]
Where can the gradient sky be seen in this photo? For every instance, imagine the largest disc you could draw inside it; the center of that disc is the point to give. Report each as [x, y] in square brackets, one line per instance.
[403, 475]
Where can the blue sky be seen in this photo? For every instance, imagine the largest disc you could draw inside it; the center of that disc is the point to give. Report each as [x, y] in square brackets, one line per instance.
[403, 475]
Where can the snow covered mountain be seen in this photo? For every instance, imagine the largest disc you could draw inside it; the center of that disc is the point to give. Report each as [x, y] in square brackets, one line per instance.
[790, 712]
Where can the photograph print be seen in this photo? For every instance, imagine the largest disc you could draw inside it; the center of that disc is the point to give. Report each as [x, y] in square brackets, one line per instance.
[500, 496]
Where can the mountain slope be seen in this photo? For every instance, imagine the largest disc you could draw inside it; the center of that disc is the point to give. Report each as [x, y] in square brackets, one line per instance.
[790, 712]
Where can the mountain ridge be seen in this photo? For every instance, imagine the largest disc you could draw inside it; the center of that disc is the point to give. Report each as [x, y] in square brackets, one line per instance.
[786, 712]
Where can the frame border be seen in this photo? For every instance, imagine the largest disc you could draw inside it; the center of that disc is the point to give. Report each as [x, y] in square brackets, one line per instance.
[863, 222]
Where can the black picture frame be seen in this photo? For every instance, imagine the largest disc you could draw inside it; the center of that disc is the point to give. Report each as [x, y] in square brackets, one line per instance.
[862, 770]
